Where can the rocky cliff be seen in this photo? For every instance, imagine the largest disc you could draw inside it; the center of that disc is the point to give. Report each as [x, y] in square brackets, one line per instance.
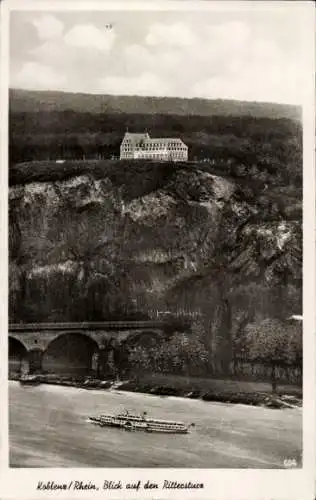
[98, 241]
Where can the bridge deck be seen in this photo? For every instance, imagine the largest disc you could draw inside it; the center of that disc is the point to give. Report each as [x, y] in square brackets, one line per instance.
[91, 325]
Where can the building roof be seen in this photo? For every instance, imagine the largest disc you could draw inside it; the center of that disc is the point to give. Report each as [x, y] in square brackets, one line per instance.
[151, 140]
[165, 140]
[135, 137]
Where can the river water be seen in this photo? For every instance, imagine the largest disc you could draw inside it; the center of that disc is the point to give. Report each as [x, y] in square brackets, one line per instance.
[49, 428]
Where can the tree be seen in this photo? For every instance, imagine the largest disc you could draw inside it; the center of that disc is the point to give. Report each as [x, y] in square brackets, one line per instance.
[294, 350]
[272, 343]
[183, 354]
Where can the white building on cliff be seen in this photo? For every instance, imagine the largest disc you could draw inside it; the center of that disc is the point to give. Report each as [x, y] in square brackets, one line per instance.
[141, 146]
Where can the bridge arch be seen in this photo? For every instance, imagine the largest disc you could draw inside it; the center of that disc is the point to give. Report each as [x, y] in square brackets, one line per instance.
[71, 353]
[18, 354]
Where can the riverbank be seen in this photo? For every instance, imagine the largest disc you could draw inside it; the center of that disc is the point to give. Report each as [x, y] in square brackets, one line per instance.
[215, 390]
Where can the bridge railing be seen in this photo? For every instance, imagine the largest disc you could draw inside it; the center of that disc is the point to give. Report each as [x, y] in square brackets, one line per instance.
[87, 325]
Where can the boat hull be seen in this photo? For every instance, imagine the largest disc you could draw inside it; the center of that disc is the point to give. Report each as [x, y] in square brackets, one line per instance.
[139, 426]
[168, 431]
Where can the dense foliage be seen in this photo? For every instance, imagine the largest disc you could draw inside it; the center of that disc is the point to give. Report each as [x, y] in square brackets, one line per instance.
[272, 344]
[270, 349]
[184, 354]
[70, 135]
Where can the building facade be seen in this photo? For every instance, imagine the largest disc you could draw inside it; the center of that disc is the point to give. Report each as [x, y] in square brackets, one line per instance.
[141, 146]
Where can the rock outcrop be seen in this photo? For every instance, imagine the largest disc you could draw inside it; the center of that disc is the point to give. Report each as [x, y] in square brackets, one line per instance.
[93, 247]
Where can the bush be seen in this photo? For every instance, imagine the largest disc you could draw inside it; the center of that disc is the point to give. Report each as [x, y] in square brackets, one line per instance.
[184, 354]
[272, 343]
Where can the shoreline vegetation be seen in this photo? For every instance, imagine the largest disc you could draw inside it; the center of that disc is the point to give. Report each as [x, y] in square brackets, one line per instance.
[212, 390]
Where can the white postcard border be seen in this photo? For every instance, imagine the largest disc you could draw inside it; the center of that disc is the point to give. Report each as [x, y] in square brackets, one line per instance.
[219, 483]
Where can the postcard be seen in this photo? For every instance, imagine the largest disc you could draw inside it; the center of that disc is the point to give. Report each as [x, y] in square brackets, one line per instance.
[158, 332]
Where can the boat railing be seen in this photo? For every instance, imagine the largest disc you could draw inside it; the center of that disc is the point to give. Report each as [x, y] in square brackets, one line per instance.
[143, 418]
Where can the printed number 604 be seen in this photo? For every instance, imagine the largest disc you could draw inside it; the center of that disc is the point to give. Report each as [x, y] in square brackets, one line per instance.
[290, 462]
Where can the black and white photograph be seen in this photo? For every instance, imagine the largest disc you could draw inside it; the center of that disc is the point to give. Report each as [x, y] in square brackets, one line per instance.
[155, 237]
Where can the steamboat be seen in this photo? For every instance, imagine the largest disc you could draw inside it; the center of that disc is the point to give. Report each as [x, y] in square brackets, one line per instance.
[134, 422]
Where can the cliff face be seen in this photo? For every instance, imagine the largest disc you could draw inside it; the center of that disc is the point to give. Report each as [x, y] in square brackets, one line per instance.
[93, 247]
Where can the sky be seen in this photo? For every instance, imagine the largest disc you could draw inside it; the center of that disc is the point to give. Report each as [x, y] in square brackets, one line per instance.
[253, 55]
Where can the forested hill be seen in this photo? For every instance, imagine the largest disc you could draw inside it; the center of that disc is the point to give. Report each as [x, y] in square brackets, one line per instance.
[29, 101]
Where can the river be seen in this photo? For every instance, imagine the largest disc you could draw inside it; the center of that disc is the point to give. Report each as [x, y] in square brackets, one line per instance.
[49, 428]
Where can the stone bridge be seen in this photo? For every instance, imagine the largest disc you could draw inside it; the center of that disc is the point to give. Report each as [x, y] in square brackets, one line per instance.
[85, 347]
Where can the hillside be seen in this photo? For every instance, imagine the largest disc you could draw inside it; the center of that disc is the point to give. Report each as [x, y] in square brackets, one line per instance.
[218, 239]
[30, 101]
[97, 240]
